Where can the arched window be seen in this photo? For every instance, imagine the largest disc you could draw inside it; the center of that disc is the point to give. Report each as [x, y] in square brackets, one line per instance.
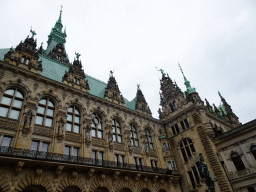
[11, 103]
[97, 128]
[237, 161]
[116, 128]
[253, 150]
[187, 148]
[149, 139]
[73, 120]
[22, 59]
[134, 135]
[45, 112]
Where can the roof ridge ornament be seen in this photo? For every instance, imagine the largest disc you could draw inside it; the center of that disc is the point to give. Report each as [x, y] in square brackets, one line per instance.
[77, 55]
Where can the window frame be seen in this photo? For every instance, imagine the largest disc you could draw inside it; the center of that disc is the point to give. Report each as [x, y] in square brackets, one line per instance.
[95, 128]
[45, 115]
[237, 161]
[148, 135]
[13, 98]
[187, 149]
[115, 127]
[134, 129]
[72, 122]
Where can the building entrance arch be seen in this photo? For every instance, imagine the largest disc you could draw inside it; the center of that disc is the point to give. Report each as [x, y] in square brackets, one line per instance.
[126, 190]
[34, 188]
[72, 189]
[101, 189]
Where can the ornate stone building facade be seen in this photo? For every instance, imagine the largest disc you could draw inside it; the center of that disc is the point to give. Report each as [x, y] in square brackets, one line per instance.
[62, 130]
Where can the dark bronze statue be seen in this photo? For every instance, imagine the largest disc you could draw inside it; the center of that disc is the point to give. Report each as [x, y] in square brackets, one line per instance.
[206, 174]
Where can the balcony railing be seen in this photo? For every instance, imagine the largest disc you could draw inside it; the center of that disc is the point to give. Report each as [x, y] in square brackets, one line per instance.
[46, 156]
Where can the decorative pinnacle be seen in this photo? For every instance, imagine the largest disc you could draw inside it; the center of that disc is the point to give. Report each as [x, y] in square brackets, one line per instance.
[61, 8]
[138, 86]
[32, 32]
[182, 72]
[187, 83]
[219, 94]
[77, 55]
[162, 71]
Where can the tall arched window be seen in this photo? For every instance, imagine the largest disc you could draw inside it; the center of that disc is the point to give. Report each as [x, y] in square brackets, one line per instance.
[73, 120]
[134, 135]
[149, 139]
[253, 150]
[97, 128]
[11, 103]
[237, 161]
[187, 148]
[45, 112]
[116, 128]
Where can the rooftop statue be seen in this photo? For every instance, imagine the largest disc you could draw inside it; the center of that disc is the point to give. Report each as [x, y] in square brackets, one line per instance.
[162, 71]
[32, 32]
[77, 55]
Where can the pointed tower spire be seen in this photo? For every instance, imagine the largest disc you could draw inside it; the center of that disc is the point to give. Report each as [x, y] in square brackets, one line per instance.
[140, 103]
[232, 116]
[187, 83]
[112, 92]
[57, 35]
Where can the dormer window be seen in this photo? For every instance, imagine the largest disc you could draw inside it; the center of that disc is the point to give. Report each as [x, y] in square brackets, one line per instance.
[22, 60]
[27, 61]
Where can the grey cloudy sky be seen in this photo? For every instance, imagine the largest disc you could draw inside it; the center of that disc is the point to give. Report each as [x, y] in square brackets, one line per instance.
[214, 41]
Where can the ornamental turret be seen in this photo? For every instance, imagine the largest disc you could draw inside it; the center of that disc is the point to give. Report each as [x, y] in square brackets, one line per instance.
[233, 119]
[25, 55]
[112, 92]
[140, 103]
[75, 76]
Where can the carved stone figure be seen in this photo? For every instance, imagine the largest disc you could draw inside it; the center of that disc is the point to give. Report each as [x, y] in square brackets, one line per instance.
[88, 132]
[28, 118]
[129, 140]
[110, 137]
[61, 127]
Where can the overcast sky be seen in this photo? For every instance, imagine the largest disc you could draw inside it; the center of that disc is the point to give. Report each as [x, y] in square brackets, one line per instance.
[214, 41]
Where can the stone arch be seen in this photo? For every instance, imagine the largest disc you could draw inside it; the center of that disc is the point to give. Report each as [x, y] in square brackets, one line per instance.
[4, 184]
[51, 95]
[72, 189]
[125, 184]
[126, 190]
[17, 84]
[31, 179]
[99, 182]
[69, 181]
[118, 117]
[145, 190]
[160, 186]
[76, 103]
[32, 188]
[101, 112]
[101, 189]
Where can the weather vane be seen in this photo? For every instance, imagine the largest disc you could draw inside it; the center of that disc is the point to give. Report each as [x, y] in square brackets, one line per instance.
[61, 8]
[32, 32]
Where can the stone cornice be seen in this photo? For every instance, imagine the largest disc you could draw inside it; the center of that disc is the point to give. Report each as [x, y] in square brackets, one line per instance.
[218, 119]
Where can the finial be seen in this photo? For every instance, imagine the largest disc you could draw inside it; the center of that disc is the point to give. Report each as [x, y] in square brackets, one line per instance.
[77, 55]
[32, 32]
[219, 94]
[138, 86]
[162, 71]
[61, 8]
[42, 44]
[182, 71]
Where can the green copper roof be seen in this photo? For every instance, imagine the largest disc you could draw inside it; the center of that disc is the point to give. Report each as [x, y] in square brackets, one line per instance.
[187, 83]
[55, 70]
